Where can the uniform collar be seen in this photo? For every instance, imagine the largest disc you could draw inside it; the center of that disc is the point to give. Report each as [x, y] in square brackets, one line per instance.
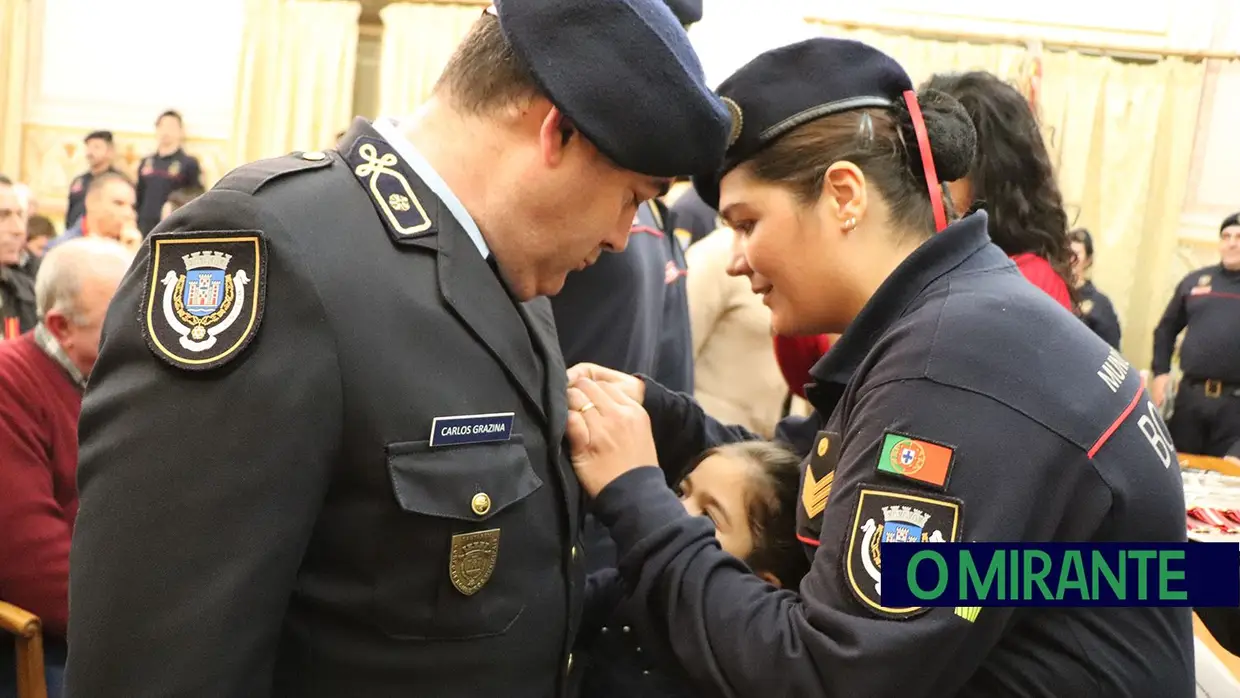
[390, 131]
[44, 339]
[936, 257]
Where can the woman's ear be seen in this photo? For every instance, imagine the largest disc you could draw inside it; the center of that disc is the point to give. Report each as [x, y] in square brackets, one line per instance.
[844, 192]
[770, 578]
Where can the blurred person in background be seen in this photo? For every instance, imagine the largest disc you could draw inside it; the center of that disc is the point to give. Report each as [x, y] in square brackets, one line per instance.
[179, 198]
[42, 375]
[109, 210]
[100, 152]
[39, 232]
[1013, 181]
[695, 219]
[731, 328]
[17, 303]
[1096, 309]
[169, 168]
[29, 202]
[1206, 306]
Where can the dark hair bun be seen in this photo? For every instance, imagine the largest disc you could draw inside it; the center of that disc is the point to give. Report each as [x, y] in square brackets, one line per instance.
[953, 138]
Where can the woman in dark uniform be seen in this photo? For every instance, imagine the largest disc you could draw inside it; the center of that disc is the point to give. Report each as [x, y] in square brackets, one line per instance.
[1096, 309]
[961, 399]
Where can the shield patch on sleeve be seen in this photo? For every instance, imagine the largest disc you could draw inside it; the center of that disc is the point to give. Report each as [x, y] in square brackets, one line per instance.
[894, 516]
[204, 296]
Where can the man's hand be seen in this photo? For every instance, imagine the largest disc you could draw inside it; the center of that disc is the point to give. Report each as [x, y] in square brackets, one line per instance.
[632, 386]
[608, 431]
[1158, 389]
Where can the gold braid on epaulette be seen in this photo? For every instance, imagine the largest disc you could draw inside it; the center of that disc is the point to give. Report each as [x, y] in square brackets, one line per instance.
[178, 304]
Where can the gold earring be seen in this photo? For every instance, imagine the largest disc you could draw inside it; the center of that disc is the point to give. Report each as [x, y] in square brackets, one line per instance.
[850, 224]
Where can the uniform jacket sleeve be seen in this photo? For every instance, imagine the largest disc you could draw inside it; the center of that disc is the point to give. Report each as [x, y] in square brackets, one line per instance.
[737, 635]
[199, 490]
[603, 594]
[682, 429]
[1107, 323]
[193, 177]
[34, 546]
[798, 433]
[1173, 321]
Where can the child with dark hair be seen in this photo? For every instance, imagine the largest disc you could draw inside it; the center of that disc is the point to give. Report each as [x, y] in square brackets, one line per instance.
[749, 491]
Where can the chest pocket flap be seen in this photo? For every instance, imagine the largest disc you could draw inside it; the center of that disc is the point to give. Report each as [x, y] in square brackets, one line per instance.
[468, 483]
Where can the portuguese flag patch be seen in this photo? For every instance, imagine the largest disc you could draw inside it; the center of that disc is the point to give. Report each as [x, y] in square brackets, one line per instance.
[914, 459]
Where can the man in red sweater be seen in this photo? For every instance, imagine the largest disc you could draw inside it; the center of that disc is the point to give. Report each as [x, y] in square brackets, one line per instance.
[42, 374]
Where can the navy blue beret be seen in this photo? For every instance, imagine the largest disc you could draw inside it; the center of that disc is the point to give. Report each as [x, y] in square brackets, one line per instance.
[687, 11]
[792, 85]
[1233, 219]
[624, 73]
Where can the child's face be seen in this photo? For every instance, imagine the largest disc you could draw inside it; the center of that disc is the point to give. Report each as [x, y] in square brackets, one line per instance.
[719, 488]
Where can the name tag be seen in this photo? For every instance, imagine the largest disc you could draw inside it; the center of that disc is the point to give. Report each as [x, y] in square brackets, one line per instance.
[471, 429]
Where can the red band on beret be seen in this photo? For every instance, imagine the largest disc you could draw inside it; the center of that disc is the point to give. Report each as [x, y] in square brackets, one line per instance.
[927, 160]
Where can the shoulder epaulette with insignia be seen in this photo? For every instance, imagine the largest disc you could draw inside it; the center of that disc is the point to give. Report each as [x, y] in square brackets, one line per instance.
[390, 183]
[249, 179]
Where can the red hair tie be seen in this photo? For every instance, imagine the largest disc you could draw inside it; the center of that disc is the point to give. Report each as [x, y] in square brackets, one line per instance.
[927, 160]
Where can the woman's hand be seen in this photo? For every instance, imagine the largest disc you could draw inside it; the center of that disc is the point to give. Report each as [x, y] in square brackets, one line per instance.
[632, 386]
[608, 431]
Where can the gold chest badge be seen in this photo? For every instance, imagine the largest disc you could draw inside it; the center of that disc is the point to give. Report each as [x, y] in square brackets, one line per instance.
[473, 560]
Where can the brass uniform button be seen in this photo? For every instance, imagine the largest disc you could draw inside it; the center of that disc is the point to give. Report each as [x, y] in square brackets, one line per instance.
[574, 553]
[481, 504]
[569, 668]
[313, 156]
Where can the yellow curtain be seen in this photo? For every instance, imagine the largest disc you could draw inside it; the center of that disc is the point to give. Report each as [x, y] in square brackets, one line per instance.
[295, 89]
[1127, 142]
[14, 35]
[922, 58]
[418, 40]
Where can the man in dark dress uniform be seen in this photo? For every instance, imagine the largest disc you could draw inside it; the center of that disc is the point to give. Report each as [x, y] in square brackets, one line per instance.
[99, 154]
[322, 447]
[169, 168]
[1206, 304]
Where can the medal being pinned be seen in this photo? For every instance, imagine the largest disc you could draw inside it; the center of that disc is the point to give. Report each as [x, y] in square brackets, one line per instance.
[205, 295]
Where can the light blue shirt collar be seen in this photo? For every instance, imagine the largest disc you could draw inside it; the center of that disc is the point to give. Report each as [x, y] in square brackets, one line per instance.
[422, 167]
